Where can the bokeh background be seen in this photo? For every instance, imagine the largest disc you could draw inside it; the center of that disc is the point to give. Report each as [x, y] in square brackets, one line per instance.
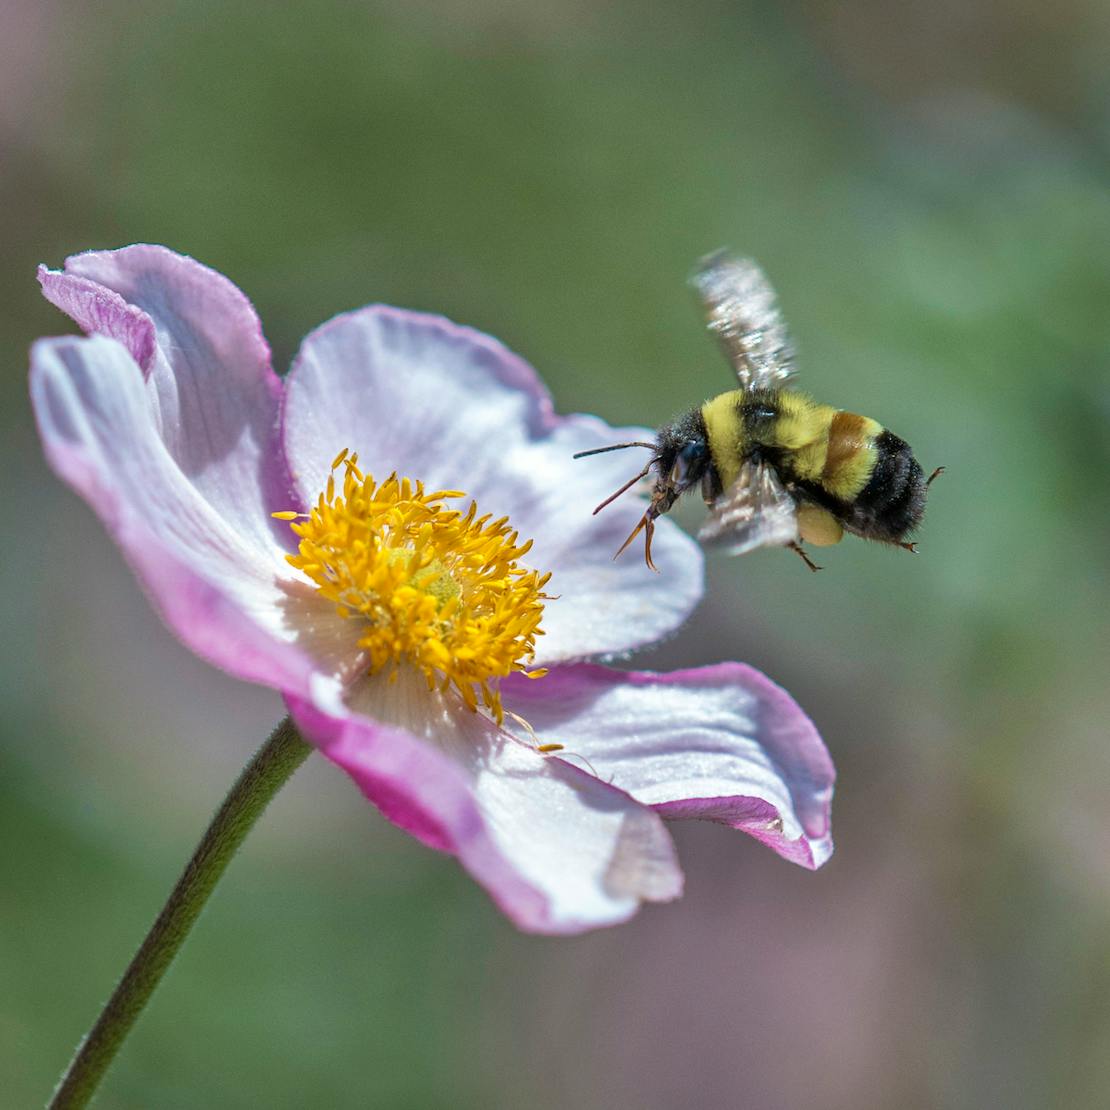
[927, 186]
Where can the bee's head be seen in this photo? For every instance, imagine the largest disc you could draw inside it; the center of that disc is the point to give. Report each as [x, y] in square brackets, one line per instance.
[680, 459]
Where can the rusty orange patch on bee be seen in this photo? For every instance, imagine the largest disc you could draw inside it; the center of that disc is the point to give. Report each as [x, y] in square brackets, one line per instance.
[851, 453]
[846, 438]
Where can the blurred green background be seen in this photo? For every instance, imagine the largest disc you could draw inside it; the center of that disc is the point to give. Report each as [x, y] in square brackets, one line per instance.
[927, 187]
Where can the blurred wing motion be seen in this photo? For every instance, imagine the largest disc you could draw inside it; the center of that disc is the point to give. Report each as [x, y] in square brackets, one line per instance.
[755, 511]
[740, 307]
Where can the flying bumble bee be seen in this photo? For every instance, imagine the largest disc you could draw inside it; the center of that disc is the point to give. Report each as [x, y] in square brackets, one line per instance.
[775, 467]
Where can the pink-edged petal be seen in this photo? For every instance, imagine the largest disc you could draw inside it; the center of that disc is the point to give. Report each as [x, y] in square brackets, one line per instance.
[722, 743]
[98, 310]
[558, 850]
[224, 597]
[212, 389]
[445, 404]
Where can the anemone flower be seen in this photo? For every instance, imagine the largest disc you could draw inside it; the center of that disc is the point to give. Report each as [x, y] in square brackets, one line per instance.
[351, 535]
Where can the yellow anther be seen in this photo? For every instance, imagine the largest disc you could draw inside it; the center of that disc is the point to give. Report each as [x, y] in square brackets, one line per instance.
[432, 587]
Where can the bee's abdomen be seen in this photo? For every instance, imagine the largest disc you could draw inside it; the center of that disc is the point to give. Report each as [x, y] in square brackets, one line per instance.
[892, 502]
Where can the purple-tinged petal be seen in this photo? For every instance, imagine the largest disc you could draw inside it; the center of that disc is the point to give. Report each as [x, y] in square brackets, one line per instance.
[224, 597]
[431, 400]
[558, 850]
[98, 310]
[213, 392]
[722, 743]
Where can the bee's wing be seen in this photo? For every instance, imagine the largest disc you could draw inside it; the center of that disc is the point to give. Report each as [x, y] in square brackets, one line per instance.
[740, 307]
[755, 511]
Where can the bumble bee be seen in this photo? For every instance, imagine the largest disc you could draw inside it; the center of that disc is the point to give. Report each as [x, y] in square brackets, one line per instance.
[775, 467]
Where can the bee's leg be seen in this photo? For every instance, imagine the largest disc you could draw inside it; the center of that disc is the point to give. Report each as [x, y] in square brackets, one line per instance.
[649, 532]
[910, 547]
[635, 532]
[805, 558]
[647, 521]
[936, 474]
[709, 490]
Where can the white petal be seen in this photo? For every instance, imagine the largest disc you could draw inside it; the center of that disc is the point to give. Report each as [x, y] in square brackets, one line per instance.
[722, 743]
[228, 598]
[214, 397]
[447, 405]
[558, 849]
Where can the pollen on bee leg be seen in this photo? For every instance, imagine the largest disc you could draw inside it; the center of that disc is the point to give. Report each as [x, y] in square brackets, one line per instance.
[818, 526]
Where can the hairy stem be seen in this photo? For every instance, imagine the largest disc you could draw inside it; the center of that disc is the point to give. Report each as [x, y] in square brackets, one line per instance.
[261, 779]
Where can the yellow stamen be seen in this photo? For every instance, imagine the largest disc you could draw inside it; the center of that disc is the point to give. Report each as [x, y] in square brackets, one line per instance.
[430, 586]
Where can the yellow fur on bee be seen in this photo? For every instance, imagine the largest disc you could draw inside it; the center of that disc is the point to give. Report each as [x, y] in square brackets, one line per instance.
[820, 444]
[801, 422]
[724, 429]
[802, 428]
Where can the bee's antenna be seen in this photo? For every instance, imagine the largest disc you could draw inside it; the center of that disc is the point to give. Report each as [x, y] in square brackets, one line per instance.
[627, 485]
[613, 447]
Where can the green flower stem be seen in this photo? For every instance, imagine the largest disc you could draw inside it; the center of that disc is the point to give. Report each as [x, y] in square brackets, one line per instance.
[261, 779]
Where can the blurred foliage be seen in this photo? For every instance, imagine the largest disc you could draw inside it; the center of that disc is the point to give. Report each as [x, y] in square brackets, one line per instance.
[927, 187]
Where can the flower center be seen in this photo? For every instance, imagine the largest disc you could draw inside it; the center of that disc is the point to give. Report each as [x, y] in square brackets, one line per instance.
[430, 586]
